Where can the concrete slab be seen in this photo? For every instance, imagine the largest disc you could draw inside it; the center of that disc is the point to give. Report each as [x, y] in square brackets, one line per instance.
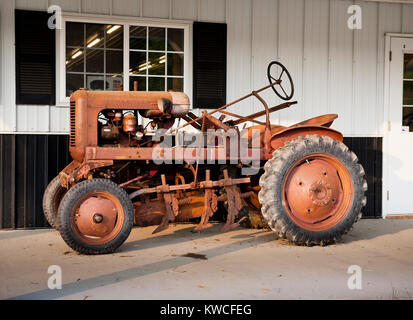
[239, 264]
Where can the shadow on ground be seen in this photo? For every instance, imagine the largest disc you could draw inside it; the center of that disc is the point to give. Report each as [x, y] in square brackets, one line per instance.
[159, 266]
[182, 235]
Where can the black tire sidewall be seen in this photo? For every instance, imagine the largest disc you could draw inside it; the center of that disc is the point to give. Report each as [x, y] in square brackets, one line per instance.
[70, 200]
[52, 189]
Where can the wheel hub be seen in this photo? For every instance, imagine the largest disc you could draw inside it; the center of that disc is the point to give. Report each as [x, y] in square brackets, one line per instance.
[313, 191]
[96, 217]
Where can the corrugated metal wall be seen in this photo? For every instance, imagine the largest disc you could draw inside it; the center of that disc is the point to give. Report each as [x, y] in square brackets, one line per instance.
[335, 69]
[27, 164]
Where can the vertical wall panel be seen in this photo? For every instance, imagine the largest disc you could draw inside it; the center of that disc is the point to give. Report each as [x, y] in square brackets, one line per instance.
[59, 119]
[341, 65]
[96, 6]
[67, 6]
[184, 9]
[365, 68]
[291, 45]
[264, 50]
[212, 10]
[126, 7]
[407, 19]
[32, 118]
[7, 67]
[239, 53]
[370, 154]
[155, 8]
[40, 5]
[315, 64]
[27, 164]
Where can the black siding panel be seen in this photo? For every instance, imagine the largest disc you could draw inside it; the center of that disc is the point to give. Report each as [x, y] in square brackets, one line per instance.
[369, 150]
[25, 174]
[29, 162]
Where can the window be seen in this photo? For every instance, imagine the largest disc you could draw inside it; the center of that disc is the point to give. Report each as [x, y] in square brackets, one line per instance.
[156, 58]
[94, 56]
[117, 55]
[408, 92]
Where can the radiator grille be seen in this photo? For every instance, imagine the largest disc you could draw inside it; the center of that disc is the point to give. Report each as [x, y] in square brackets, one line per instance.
[72, 140]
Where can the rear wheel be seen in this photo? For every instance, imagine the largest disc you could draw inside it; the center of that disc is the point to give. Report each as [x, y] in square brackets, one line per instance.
[95, 216]
[51, 200]
[312, 190]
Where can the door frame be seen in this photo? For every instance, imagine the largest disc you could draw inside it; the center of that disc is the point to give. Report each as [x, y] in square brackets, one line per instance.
[386, 109]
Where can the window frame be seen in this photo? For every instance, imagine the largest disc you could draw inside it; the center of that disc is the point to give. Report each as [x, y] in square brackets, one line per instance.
[126, 22]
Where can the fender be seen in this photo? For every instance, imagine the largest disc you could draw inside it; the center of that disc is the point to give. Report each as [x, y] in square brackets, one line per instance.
[75, 170]
[280, 138]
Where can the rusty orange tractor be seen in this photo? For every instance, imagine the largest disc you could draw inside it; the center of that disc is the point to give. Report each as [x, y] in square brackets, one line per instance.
[302, 181]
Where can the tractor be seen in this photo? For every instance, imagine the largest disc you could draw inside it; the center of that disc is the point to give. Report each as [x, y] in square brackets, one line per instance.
[135, 163]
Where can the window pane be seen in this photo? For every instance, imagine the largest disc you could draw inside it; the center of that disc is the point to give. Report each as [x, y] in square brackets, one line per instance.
[73, 83]
[114, 61]
[176, 84]
[408, 118]
[175, 64]
[175, 39]
[156, 63]
[408, 66]
[74, 34]
[114, 36]
[141, 83]
[94, 60]
[94, 35]
[74, 60]
[96, 82]
[137, 38]
[156, 38]
[114, 82]
[156, 84]
[408, 93]
[137, 62]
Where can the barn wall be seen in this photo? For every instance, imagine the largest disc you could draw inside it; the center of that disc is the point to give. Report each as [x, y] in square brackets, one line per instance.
[335, 69]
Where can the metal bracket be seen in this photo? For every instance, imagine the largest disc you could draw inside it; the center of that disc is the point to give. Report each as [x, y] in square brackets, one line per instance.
[211, 203]
[171, 204]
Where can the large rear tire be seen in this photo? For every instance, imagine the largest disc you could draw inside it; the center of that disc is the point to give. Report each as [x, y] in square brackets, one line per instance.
[51, 200]
[95, 216]
[312, 190]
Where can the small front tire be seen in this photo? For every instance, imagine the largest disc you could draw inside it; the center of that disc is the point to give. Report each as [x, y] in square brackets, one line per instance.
[51, 200]
[95, 216]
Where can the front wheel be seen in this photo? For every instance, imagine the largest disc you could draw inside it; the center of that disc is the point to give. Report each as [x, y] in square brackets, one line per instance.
[312, 190]
[51, 200]
[95, 216]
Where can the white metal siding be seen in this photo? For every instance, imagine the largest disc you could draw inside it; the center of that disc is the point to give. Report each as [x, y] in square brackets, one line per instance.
[335, 70]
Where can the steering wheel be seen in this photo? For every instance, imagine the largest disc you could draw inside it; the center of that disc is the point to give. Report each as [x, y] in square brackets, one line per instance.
[275, 72]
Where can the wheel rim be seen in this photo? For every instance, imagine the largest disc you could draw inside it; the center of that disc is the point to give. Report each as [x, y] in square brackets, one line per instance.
[317, 192]
[97, 217]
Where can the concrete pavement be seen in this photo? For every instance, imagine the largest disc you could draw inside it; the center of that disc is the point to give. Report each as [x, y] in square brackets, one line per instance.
[239, 264]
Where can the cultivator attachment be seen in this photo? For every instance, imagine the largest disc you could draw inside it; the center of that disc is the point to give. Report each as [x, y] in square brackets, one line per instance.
[176, 206]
